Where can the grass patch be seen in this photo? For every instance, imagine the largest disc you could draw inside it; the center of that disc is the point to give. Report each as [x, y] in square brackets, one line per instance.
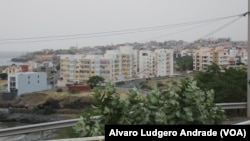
[66, 133]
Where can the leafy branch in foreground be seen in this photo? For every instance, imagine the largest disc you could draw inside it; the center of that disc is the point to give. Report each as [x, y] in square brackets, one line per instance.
[184, 103]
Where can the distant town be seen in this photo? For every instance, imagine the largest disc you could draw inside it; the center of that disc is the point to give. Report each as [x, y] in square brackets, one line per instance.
[48, 68]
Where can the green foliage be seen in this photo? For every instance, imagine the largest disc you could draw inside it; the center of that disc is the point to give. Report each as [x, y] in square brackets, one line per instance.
[94, 81]
[185, 63]
[58, 67]
[185, 103]
[120, 83]
[74, 91]
[229, 85]
[48, 110]
[159, 84]
[4, 76]
[52, 72]
[66, 133]
[59, 90]
[88, 127]
[110, 104]
[144, 85]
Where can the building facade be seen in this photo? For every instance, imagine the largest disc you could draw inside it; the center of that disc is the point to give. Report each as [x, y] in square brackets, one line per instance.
[27, 82]
[164, 62]
[204, 57]
[123, 63]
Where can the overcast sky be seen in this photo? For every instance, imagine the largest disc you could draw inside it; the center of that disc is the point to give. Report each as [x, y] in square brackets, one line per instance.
[45, 18]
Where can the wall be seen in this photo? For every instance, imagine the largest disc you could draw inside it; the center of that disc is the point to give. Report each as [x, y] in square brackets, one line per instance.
[31, 82]
[79, 87]
[6, 96]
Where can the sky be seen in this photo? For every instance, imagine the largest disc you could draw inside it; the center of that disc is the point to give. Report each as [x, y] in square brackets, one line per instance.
[33, 25]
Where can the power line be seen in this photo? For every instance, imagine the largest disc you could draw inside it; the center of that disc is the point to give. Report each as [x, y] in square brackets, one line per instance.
[108, 33]
[165, 35]
[218, 29]
[223, 26]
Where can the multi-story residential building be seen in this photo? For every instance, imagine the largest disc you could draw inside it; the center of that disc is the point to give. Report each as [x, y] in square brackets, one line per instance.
[123, 63]
[186, 52]
[69, 65]
[155, 63]
[206, 56]
[78, 68]
[164, 62]
[116, 64]
[129, 61]
[146, 63]
[22, 83]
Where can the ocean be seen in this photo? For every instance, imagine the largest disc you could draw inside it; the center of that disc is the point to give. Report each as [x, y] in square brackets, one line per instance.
[6, 56]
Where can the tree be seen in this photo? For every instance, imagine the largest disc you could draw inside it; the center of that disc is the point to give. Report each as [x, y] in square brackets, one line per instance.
[185, 63]
[57, 67]
[94, 81]
[184, 104]
[229, 85]
[4, 76]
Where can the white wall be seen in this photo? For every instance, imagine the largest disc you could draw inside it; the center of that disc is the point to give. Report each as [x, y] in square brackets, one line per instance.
[30, 82]
[145, 63]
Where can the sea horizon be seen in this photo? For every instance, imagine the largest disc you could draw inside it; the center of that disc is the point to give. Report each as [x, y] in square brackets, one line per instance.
[6, 56]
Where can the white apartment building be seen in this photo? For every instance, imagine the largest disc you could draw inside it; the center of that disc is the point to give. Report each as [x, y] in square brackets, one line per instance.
[124, 63]
[116, 64]
[27, 82]
[129, 61]
[164, 62]
[155, 63]
[146, 64]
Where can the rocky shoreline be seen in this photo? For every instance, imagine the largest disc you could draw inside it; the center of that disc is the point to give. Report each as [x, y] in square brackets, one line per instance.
[7, 115]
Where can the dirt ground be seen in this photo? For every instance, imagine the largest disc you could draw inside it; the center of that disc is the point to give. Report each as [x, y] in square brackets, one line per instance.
[3, 82]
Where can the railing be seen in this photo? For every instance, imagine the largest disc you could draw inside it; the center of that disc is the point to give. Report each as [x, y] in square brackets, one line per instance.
[37, 127]
[227, 106]
[40, 127]
[83, 139]
[71, 122]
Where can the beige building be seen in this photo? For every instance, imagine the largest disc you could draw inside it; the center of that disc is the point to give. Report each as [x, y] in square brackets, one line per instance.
[114, 65]
[206, 56]
[155, 63]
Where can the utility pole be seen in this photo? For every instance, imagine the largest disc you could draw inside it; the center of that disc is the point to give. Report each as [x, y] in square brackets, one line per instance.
[248, 72]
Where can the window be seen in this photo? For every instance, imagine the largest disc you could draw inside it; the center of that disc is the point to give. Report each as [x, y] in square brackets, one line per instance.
[37, 81]
[12, 78]
[37, 76]
[28, 82]
[28, 77]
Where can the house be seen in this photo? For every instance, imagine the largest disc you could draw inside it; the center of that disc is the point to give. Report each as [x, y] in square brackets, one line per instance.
[27, 82]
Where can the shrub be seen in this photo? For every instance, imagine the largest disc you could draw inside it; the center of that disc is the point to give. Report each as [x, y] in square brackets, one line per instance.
[159, 84]
[48, 110]
[74, 91]
[120, 83]
[59, 90]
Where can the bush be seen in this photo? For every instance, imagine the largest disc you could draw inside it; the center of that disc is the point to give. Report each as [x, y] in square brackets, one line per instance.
[159, 84]
[183, 104]
[120, 83]
[48, 110]
[67, 132]
[145, 86]
[74, 91]
[59, 90]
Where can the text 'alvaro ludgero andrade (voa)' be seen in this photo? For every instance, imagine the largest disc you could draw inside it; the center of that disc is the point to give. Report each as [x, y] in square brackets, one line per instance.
[172, 132]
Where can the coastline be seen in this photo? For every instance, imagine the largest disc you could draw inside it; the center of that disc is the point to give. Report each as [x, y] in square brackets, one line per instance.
[7, 56]
[27, 117]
